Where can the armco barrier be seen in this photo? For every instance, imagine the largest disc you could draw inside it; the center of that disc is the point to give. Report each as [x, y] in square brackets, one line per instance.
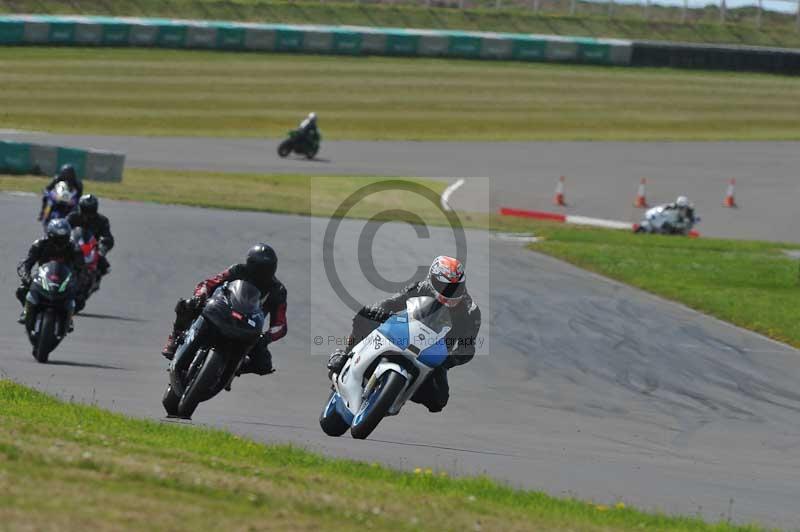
[26, 158]
[345, 40]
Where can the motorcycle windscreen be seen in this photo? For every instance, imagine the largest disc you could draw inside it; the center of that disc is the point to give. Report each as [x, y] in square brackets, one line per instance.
[245, 298]
[430, 312]
[53, 279]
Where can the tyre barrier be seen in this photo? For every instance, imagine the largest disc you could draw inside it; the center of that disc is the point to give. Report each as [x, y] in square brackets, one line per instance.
[716, 57]
[344, 40]
[41, 159]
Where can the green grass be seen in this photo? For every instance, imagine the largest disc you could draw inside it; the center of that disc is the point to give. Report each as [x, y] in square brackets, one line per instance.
[74, 467]
[751, 284]
[191, 93]
[290, 194]
[702, 26]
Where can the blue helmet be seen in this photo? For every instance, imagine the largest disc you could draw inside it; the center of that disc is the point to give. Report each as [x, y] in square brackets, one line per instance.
[58, 231]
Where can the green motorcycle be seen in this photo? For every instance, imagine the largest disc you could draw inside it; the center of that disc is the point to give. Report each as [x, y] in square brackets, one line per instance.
[301, 143]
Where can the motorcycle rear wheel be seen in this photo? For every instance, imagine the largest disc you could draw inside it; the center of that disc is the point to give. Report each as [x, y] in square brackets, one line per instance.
[377, 405]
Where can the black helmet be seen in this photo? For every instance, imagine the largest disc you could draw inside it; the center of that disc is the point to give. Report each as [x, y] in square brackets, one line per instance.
[262, 261]
[88, 204]
[58, 231]
[67, 173]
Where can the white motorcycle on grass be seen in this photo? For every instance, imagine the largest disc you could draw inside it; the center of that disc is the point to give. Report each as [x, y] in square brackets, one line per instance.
[387, 368]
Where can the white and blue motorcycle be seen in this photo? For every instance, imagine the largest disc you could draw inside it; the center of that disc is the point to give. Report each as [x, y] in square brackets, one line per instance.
[386, 368]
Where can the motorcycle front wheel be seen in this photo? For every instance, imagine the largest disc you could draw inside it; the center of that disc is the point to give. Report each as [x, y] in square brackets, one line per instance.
[285, 148]
[330, 421]
[377, 405]
[47, 340]
[170, 401]
[201, 386]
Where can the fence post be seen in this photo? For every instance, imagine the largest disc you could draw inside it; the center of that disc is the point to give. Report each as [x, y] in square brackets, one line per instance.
[685, 9]
[610, 8]
[722, 9]
[797, 25]
[536, 6]
[573, 8]
[498, 4]
[758, 15]
[647, 10]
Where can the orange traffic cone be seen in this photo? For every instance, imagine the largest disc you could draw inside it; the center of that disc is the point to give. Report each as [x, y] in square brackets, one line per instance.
[730, 200]
[641, 200]
[559, 197]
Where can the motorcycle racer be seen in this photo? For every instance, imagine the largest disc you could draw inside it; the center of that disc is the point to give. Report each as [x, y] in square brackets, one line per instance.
[56, 245]
[67, 174]
[259, 268]
[446, 281]
[89, 218]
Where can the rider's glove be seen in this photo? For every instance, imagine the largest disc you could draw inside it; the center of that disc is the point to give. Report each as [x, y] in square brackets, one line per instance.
[197, 302]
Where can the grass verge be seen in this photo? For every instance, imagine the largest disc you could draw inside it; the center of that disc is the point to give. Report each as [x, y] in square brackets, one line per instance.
[194, 93]
[289, 194]
[664, 24]
[104, 471]
[751, 284]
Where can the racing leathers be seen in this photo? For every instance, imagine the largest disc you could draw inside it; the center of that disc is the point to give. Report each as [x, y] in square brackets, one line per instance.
[259, 360]
[466, 317]
[310, 132]
[685, 217]
[101, 228]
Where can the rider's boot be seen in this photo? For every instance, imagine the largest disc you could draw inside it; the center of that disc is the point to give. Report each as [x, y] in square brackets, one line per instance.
[171, 346]
[70, 322]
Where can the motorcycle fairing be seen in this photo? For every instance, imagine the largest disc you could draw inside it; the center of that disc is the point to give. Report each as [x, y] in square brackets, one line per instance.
[411, 339]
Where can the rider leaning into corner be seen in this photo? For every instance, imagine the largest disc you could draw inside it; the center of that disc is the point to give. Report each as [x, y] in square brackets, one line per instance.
[67, 174]
[446, 281]
[88, 217]
[259, 269]
[684, 209]
[56, 245]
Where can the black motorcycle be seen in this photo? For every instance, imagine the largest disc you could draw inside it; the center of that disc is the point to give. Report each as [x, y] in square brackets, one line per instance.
[51, 292]
[300, 142]
[214, 348]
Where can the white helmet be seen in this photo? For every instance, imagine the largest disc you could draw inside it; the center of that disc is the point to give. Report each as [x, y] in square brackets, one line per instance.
[682, 201]
[312, 117]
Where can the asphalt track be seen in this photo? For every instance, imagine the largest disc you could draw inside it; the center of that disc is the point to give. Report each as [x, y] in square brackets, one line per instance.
[591, 389]
[602, 177]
